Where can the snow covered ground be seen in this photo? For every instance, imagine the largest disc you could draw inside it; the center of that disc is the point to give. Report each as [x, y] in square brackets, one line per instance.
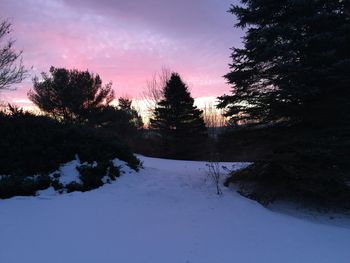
[168, 212]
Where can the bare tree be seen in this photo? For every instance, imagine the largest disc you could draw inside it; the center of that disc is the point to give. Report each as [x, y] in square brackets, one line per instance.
[11, 66]
[154, 89]
[213, 118]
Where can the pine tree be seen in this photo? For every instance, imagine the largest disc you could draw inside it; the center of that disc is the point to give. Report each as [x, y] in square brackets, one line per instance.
[294, 69]
[70, 95]
[179, 123]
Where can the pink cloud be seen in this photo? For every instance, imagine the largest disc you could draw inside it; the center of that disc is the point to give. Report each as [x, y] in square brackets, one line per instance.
[126, 42]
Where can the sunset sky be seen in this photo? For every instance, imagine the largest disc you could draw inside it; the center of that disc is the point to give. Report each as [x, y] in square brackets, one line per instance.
[126, 42]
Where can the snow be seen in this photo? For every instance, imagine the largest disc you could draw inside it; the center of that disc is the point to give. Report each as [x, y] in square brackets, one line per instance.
[69, 172]
[47, 192]
[167, 212]
[123, 166]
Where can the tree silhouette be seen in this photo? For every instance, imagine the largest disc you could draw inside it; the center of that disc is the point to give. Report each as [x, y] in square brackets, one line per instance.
[12, 70]
[179, 123]
[70, 95]
[295, 54]
[294, 70]
[135, 119]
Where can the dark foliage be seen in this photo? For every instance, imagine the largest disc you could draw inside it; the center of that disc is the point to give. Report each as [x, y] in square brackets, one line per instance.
[269, 181]
[39, 145]
[124, 104]
[123, 120]
[294, 72]
[78, 97]
[91, 176]
[296, 54]
[178, 122]
[305, 163]
[25, 186]
[150, 144]
[70, 95]
[55, 183]
[74, 187]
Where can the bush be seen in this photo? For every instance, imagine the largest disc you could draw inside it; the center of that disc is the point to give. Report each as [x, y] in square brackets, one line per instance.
[92, 176]
[55, 183]
[23, 186]
[305, 162]
[266, 182]
[39, 145]
[73, 187]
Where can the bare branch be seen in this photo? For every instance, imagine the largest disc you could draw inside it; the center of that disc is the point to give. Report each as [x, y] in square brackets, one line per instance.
[12, 70]
[214, 119]
[214, 173]
[155, 89]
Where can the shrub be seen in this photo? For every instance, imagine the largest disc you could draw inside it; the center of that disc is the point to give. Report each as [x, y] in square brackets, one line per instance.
[55, 183]
[23, 186]
[73, 187]
[113, 172]
[92, 176]
[39, 145]
[266, 182]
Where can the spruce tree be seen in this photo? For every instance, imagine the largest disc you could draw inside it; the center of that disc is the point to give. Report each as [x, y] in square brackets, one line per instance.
[179, 123]
[295, 53]
[294, 69]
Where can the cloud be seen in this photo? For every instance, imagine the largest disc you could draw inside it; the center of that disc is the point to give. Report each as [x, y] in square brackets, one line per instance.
[126, 42]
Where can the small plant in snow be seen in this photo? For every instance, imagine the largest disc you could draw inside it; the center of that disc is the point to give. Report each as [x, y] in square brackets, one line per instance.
[214, 172]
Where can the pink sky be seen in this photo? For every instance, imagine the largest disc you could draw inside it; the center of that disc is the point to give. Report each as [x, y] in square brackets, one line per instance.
[126, 42]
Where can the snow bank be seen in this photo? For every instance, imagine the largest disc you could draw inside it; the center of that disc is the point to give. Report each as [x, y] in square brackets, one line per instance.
[168, 212]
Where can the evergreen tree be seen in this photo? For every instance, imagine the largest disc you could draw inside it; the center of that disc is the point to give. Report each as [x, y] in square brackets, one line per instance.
[135, 119]
[179, 123]
[126, 124]
[295, 54]
[70, 95]
[294, 69]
